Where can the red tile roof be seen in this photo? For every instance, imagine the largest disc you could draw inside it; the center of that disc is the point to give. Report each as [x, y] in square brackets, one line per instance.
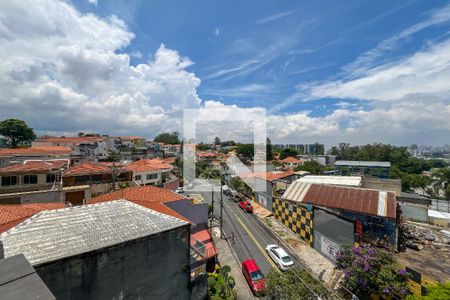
[35, 166]
[145, 165]
[131, 138]
[290, 159]
[271, 176]
[39, 150]
[88, 168]
[352, 199]
[74, 140]
[148, 196]
[13, 214]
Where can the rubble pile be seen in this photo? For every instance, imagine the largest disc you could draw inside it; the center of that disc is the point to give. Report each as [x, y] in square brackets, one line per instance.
[417, 238]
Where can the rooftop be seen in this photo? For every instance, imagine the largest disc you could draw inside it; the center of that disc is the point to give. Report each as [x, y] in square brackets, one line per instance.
[372, 202]
[356, 163]
[89, 168]
[147, 196]
[334, 180]
[145, 165]
[56, 234]
[39, 150]
[271, 176]
[291, 159]
[69, 139]
[13, 214]
[19, 280]
[35, 166]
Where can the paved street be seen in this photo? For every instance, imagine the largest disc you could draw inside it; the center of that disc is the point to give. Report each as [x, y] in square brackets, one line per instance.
[250, 235]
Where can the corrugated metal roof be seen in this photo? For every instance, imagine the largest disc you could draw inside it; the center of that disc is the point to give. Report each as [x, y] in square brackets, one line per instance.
[335, 180]
[372, 202]
[361, 163]
[56, 234]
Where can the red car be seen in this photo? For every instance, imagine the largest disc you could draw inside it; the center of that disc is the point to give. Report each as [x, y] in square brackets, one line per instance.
[254, 277]
[245, 205]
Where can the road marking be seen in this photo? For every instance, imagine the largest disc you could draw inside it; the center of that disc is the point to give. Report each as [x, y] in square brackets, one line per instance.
[257, 244]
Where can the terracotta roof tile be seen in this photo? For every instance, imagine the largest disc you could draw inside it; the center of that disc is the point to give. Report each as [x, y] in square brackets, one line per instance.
[13, 214]
[89, 168]
[291, 159]
[39, 150]
[145, 165]
[35, 166]
[75, 140]
[271, 176]
[147, 196]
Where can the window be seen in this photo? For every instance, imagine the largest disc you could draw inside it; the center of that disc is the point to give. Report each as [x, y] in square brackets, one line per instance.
[9, 180]
[82, 179]
[152, 176]
[96, 177]
[29, 179]
[137, 177]
[51, 178]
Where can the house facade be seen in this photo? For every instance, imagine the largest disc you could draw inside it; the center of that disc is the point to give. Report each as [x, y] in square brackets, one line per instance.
[129, 252]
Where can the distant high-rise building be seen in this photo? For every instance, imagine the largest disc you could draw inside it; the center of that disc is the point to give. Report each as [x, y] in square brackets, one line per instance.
[314, 149]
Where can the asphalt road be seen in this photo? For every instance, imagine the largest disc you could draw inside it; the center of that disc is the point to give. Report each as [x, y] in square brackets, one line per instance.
[247, 235]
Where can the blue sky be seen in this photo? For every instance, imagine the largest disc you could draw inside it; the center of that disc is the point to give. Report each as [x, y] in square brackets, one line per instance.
[255, 53]
[327, 71]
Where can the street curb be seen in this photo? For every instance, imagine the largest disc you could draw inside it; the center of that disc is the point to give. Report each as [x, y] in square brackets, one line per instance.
[310, 272]
[238, 263]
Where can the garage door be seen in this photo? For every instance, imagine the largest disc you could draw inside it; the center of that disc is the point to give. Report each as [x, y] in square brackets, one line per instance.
[75, 198]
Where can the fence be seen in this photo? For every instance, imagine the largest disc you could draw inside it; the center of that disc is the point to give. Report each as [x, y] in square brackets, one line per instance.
[440, 205]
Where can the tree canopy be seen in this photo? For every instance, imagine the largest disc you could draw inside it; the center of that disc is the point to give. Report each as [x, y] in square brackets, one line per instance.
[16, 132]
[294, 284]
[288, 152]
[245, 150]
[369, 270]
[402, 163]
[312, 167]
[168, 138]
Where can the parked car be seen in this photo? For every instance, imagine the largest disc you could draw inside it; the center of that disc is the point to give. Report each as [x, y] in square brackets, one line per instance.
[254, 277]
[280, 257]
[179, 190]
[245, 205]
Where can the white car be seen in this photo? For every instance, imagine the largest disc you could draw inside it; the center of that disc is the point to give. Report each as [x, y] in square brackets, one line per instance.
[280, 257]
[179, 190]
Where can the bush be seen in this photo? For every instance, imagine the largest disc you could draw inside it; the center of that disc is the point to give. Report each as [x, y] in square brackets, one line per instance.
[369, 270]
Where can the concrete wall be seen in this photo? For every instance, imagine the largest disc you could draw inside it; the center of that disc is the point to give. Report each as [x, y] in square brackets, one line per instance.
[394, 185]
[32, 197]
[264, 198]
[155, 267]
[414, 212]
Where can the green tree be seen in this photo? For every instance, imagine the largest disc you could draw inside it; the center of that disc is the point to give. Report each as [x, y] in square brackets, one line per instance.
[221, 284]
[294, 284]
[312, 167]
[16, 132]
[288, 152]
[245, 150]
[419, 181]
[369, 270]
[216, 141]
[441, 180]
[269, 151]
[168, 138]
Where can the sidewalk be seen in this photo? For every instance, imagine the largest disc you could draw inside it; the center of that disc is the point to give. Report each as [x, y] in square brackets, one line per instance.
[313, 260]
[228, 257]
[316, 262]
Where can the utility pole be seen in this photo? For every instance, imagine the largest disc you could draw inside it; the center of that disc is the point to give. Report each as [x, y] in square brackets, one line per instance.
[221, 210]
[212, 186]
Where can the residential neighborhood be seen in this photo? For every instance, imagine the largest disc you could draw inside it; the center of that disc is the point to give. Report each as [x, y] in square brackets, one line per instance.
[212, 150]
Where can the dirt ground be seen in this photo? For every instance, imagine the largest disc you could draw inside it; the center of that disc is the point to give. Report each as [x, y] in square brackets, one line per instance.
[432, 261]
